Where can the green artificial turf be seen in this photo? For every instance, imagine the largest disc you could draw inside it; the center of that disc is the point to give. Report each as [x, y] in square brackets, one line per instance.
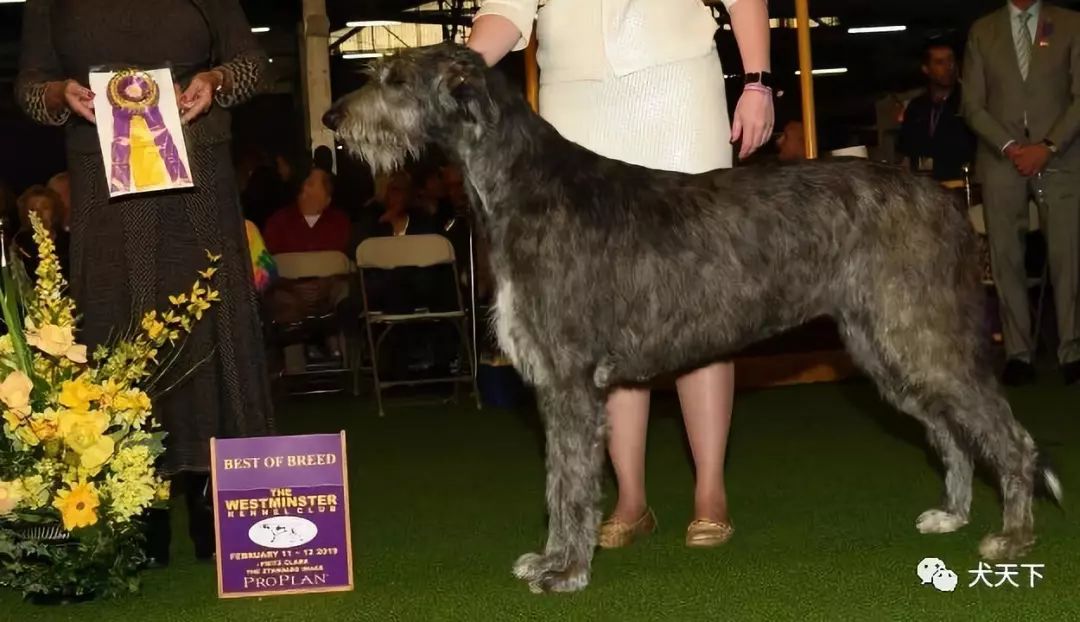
[824, 481]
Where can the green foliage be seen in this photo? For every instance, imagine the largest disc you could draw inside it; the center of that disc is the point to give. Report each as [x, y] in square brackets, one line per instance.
[101, 562]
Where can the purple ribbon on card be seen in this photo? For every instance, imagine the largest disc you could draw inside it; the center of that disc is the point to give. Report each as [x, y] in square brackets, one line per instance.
[134, 93]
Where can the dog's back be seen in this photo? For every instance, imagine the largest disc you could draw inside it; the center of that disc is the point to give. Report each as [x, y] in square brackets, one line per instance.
[766, 248]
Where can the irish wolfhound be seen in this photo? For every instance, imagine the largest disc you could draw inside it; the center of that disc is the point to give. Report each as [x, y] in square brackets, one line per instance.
[609, 273]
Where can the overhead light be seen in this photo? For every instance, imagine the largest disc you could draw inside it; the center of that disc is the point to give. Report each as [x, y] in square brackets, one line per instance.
[373, 23]
[271, 60]
[260, 29]
[832, 71]
[868, 30]
[362, 55]
[11, 1]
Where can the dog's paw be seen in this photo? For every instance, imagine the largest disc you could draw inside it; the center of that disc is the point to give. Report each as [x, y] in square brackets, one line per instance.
[550, 573]
[939, 521]
[1005, 546]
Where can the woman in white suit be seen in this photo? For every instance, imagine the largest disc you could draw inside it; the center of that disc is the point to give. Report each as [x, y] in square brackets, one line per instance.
[640, 81]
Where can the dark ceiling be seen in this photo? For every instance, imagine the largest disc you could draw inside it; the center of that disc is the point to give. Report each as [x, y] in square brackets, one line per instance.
[876, 63]
[920, 15]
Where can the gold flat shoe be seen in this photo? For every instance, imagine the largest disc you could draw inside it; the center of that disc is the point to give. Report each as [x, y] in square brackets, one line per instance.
[706, 533]
[616, 534]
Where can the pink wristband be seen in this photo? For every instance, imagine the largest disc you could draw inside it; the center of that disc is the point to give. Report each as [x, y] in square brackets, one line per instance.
[757, 87]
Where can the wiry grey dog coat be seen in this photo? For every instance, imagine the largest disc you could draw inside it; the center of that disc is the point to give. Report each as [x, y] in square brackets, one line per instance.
[609, 273]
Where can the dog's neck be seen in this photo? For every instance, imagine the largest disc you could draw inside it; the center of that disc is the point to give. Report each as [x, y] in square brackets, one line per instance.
[496, 158]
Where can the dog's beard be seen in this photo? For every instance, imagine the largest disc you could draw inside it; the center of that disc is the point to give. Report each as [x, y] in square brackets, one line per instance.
[381, 142]
[384, 154]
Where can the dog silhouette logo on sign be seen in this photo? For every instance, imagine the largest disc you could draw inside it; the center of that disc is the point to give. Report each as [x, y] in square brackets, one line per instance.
[283, 532]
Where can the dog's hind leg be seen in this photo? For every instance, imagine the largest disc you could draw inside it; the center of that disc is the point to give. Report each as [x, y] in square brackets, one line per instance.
[1012, 453]
[574, 420]
[959, 466]
[938, 365]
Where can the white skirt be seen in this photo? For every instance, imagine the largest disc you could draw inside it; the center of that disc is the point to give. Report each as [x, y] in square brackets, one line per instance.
[672, 117]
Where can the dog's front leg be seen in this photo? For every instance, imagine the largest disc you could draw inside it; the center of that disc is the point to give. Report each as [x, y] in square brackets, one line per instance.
[574, 419]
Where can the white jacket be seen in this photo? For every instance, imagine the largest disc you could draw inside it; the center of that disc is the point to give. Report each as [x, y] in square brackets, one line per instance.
[637, 34]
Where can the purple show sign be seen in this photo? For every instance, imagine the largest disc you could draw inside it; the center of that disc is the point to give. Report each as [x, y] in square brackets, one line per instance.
[281, 508]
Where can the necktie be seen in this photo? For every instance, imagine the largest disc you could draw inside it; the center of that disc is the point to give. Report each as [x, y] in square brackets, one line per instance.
[1024, 44]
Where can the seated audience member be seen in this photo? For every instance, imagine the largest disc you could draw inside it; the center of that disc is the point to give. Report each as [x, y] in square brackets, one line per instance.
[60, 183]
[933, 137]
[791, 144]
[404, 290]
[311, 223]
[49, 208]
[268, 188]
[400, 215]
[454, 187]
[430, 196]
[323, 158]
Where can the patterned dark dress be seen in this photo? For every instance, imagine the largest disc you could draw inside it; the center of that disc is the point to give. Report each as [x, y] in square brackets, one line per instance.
[129, 254]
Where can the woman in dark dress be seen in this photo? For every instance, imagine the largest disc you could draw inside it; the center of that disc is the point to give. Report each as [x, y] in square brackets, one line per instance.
[129, 254]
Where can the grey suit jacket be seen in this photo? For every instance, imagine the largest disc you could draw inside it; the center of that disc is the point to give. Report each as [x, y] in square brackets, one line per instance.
[996, 96]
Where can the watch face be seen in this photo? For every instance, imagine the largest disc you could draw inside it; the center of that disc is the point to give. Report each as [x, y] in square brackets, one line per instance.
[763, 78]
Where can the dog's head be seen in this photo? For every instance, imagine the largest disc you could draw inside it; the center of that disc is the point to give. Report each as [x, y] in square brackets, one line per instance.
[436, 94]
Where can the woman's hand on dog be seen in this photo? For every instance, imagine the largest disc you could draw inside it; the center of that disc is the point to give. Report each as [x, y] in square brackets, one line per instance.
[753, 122]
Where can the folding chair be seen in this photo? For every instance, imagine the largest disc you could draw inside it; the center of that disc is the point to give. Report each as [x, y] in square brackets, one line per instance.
[977, 216]
[411, 251]
[290, 336]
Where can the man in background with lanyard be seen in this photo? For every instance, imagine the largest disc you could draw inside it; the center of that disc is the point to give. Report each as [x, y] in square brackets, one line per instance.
[1022, 98]
[934, 138]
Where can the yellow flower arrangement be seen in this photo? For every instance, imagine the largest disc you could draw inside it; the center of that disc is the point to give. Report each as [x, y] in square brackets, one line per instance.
[79, 442]
[78, 506]
[10, 495]
[56, 341]
[15, 394]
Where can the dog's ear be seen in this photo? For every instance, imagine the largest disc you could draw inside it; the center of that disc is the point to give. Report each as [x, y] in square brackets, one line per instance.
[458, 80]
[468, 89]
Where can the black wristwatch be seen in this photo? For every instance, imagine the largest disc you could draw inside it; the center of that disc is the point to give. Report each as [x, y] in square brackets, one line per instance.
[1051, 146]
[764, 78]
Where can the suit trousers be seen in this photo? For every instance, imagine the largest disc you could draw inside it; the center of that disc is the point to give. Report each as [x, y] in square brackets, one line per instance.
[1006, 195]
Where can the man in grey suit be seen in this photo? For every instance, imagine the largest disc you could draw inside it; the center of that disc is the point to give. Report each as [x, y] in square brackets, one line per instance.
[1022, 98]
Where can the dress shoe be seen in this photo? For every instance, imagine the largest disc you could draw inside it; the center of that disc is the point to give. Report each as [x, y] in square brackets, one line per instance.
[1018, 373]
[705, 533]
[1071, 372]
[615, 534]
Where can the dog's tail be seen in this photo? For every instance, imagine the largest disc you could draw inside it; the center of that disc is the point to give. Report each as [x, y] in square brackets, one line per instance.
[1048, 477]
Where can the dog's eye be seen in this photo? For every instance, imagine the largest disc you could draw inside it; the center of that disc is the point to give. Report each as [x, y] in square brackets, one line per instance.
[393, 78]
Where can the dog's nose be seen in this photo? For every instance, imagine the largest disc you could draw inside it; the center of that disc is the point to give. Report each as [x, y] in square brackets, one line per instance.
[332, 119]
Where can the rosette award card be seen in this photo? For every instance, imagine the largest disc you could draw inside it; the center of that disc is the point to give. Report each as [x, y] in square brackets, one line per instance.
[138, 124]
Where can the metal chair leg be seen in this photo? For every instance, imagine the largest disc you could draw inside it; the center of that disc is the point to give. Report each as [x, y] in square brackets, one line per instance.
[463, 333]
[377, 346]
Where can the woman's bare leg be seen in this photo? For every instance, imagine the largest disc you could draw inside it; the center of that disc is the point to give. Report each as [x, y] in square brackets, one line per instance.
[628, 420]
[706, 396]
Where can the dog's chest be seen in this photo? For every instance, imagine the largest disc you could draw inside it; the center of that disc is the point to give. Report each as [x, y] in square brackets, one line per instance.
[513, 336]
